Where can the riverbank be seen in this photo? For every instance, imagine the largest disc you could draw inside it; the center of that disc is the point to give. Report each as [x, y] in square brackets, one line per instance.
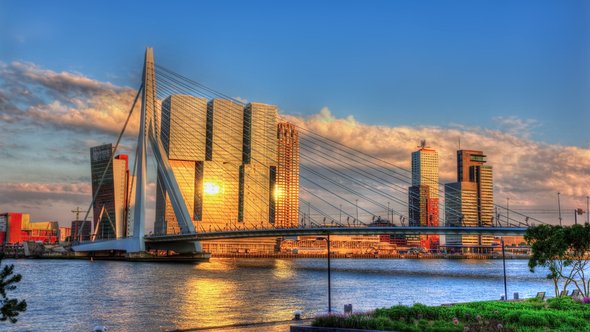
[205, 256]
[532, 315]
[368, 256]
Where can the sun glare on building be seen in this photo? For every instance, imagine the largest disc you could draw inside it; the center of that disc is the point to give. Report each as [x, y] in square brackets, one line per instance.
[211, 188]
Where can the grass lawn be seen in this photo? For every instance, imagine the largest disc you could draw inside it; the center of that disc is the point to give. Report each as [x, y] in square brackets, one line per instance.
[559, 314]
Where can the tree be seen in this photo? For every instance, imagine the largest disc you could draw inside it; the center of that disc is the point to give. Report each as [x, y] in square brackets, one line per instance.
[577, 238]
[564, 252]
[548, 250]
[10, 307]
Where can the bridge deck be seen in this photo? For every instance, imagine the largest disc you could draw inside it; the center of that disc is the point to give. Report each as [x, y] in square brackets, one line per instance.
[276, 232]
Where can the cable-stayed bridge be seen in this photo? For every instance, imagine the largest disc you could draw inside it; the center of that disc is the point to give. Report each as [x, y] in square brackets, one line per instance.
[341, 189]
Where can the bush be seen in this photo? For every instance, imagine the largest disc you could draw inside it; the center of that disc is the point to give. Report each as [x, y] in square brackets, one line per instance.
[560, 314]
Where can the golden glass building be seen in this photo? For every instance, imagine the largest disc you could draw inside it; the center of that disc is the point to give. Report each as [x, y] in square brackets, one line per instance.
[183, 133]
[423, 196]
[470, 201]
[286, 192]
[222, 166]
[256, 205]
[232, 164]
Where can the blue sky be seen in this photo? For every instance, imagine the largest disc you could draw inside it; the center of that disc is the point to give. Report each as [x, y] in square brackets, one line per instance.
[508, 77]
[385, 62]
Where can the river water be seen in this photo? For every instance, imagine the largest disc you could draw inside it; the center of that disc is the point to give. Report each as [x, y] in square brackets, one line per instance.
[76, 295]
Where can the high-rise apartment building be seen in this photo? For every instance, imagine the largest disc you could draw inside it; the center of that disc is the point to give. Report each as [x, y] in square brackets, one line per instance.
[256, 205]
[470, 200]
[183, 132]
[286, 192]
[224, 158]
[221, 179]
[110, 206]
[423, 196]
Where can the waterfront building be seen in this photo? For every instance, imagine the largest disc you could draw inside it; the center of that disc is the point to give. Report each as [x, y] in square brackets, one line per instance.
[221, 179]
[183, 132]
[64, 234]
[470, 201]
[110, 207]
[17, 228]
[256, 205]
[81, 230]
[11, 224]
[43, 231]
[286, 192]
[423, 196]
[339, 244]
[224, 158]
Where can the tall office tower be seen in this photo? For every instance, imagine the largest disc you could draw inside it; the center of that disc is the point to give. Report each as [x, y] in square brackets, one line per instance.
[258, 171]
[183, 134]
[423, 196]
[221, 179]
[111, 205]
[470, 200]
[286, 192]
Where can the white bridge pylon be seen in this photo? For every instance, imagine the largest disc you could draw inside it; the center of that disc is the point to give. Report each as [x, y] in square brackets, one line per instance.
[149, 135]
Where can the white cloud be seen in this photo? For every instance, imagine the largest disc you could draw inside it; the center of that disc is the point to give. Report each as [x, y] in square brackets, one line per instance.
[527, 171]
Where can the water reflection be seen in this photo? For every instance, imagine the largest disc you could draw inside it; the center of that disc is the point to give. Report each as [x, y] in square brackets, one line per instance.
[205, 298]
[77, 295]
[283, 269]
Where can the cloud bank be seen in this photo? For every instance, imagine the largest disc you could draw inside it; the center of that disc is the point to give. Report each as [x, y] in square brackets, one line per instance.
[63, 100]
[529, 172]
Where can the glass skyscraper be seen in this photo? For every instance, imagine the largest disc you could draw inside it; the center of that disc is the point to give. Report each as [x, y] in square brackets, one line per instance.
[470, 200]
[423, 196]
[111, 201]
[286, 192]
[232, 164]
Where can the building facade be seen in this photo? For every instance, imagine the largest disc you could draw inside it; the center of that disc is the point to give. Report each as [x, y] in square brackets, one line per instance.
[80, 230]
[110, 183]
[225, 159]
[470, 201]
[423, 198]
[183, 132]
[286, 191]
[256, 205]
[16, 228]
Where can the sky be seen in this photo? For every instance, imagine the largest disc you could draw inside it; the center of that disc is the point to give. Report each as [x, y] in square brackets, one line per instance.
[508, 77]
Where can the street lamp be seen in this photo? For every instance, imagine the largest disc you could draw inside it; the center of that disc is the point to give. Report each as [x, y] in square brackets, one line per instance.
[504, 264]
[559, 208]
[329, 274]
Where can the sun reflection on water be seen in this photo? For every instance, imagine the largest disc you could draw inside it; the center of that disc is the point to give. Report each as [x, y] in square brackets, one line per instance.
[283, 269]
[206, 302]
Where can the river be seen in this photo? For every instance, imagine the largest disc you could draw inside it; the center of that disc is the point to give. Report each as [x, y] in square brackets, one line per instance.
[76, 295]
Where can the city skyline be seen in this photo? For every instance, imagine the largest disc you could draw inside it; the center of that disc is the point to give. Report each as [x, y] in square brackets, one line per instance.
[70, 109]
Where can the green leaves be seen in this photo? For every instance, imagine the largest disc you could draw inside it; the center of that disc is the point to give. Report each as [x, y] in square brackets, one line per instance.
[558, 314]
[9, 308]
[563, 251]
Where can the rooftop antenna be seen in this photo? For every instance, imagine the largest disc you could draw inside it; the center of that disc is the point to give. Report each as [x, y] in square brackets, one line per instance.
[422, 144]
[459, 138]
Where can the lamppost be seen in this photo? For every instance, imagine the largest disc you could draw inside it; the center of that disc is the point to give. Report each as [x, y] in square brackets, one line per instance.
[504, 264]
[329, 273]
[559, 208]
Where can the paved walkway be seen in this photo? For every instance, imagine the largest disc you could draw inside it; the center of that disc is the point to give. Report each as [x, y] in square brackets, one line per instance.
[282, 326]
